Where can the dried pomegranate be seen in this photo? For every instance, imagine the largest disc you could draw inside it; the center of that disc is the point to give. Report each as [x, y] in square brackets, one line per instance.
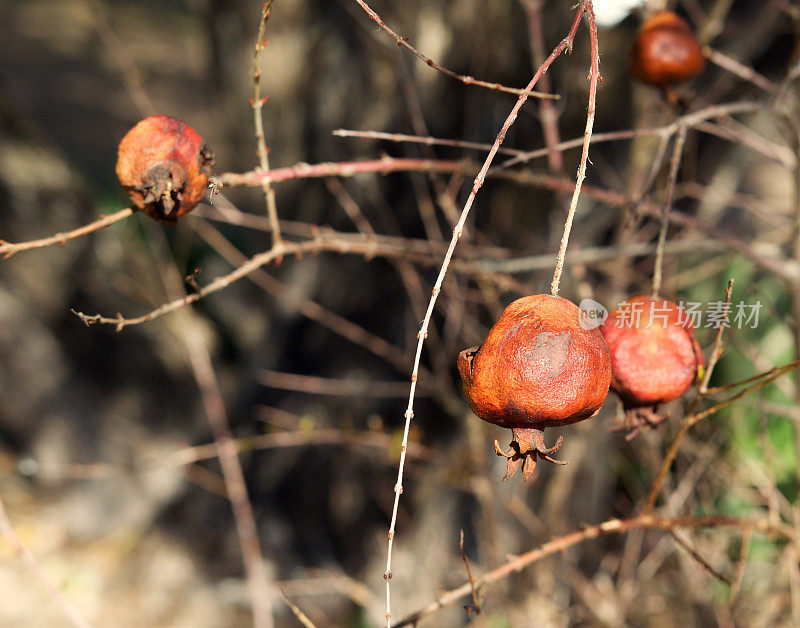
[666, 52]
[654, 355]
[537, 368]
[164, 166]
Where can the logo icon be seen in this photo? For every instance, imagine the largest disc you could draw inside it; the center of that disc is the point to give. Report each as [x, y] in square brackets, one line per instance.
[592, 314]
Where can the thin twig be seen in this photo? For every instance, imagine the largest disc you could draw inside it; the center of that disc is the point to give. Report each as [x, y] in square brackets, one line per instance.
[689, 421]
[587, 255]
[675, 163]
[255, 262]
[744, 552]
[29, 560]
[7, 249]
[339, 169]
[301, 616]
[427, 140]
[744, 72]
[612, 526]
[257, 104]
[547, 109]
[476, 607]
[565, 44]
[689, 120]
[300, 438]
[331, 320]
[594, 78]
[330, 386]
[699, 558]
[717, 349]
[467, 80]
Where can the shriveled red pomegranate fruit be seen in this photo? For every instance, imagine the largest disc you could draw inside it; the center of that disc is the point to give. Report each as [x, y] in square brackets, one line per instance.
[164, 166]
[654, 355]
[537, 368]
[666, 51]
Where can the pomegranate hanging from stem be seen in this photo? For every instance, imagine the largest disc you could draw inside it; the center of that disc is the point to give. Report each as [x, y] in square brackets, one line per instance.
[654, 356]
[538, 367]
[164, 166]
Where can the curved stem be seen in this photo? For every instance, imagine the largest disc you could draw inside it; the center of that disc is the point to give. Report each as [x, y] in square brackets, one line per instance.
[7, 249]
[594, 78]
[680, 139]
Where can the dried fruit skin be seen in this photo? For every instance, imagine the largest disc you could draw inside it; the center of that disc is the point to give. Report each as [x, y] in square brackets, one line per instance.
[164, 166]
[537, 367]
[653, 359]
[666, 51]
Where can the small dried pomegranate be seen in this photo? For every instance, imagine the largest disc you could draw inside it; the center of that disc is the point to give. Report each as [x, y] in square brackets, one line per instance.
[164, 166]
[537, 368]
[654, 356]
[666, 51]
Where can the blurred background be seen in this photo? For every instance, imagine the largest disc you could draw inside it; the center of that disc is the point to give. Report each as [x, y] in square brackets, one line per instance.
[135, 529]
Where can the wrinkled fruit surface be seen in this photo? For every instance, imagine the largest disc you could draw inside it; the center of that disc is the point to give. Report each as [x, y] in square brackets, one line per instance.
[654, 354]
[666, 52]
[164, 166]
[537, 368]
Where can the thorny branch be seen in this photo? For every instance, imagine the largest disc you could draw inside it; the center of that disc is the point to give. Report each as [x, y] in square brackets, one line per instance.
[7, 249]
[565, 44]
[467, 80]
[257, 102]
[612, 526]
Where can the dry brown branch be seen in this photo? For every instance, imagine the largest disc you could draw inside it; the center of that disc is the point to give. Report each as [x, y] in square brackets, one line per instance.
[255, 262]
[744, 72]
[325, 583]
[426, 140]
[744, 552]
[388, 165]
[547, 109]
[612, 526]
[589, 255]
[467, 80]
[301, 616]
[689, 120]
[412, 246]
[339, 169]
[785, 268]
[717, 348]
[311, 309]
[475, 607]
[331, 386]
[675, 163]
[257, 103]
[698, 558]
[302, 438]
[7, 249]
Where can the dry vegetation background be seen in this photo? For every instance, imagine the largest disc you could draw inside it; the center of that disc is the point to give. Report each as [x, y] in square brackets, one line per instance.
[136, 530]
